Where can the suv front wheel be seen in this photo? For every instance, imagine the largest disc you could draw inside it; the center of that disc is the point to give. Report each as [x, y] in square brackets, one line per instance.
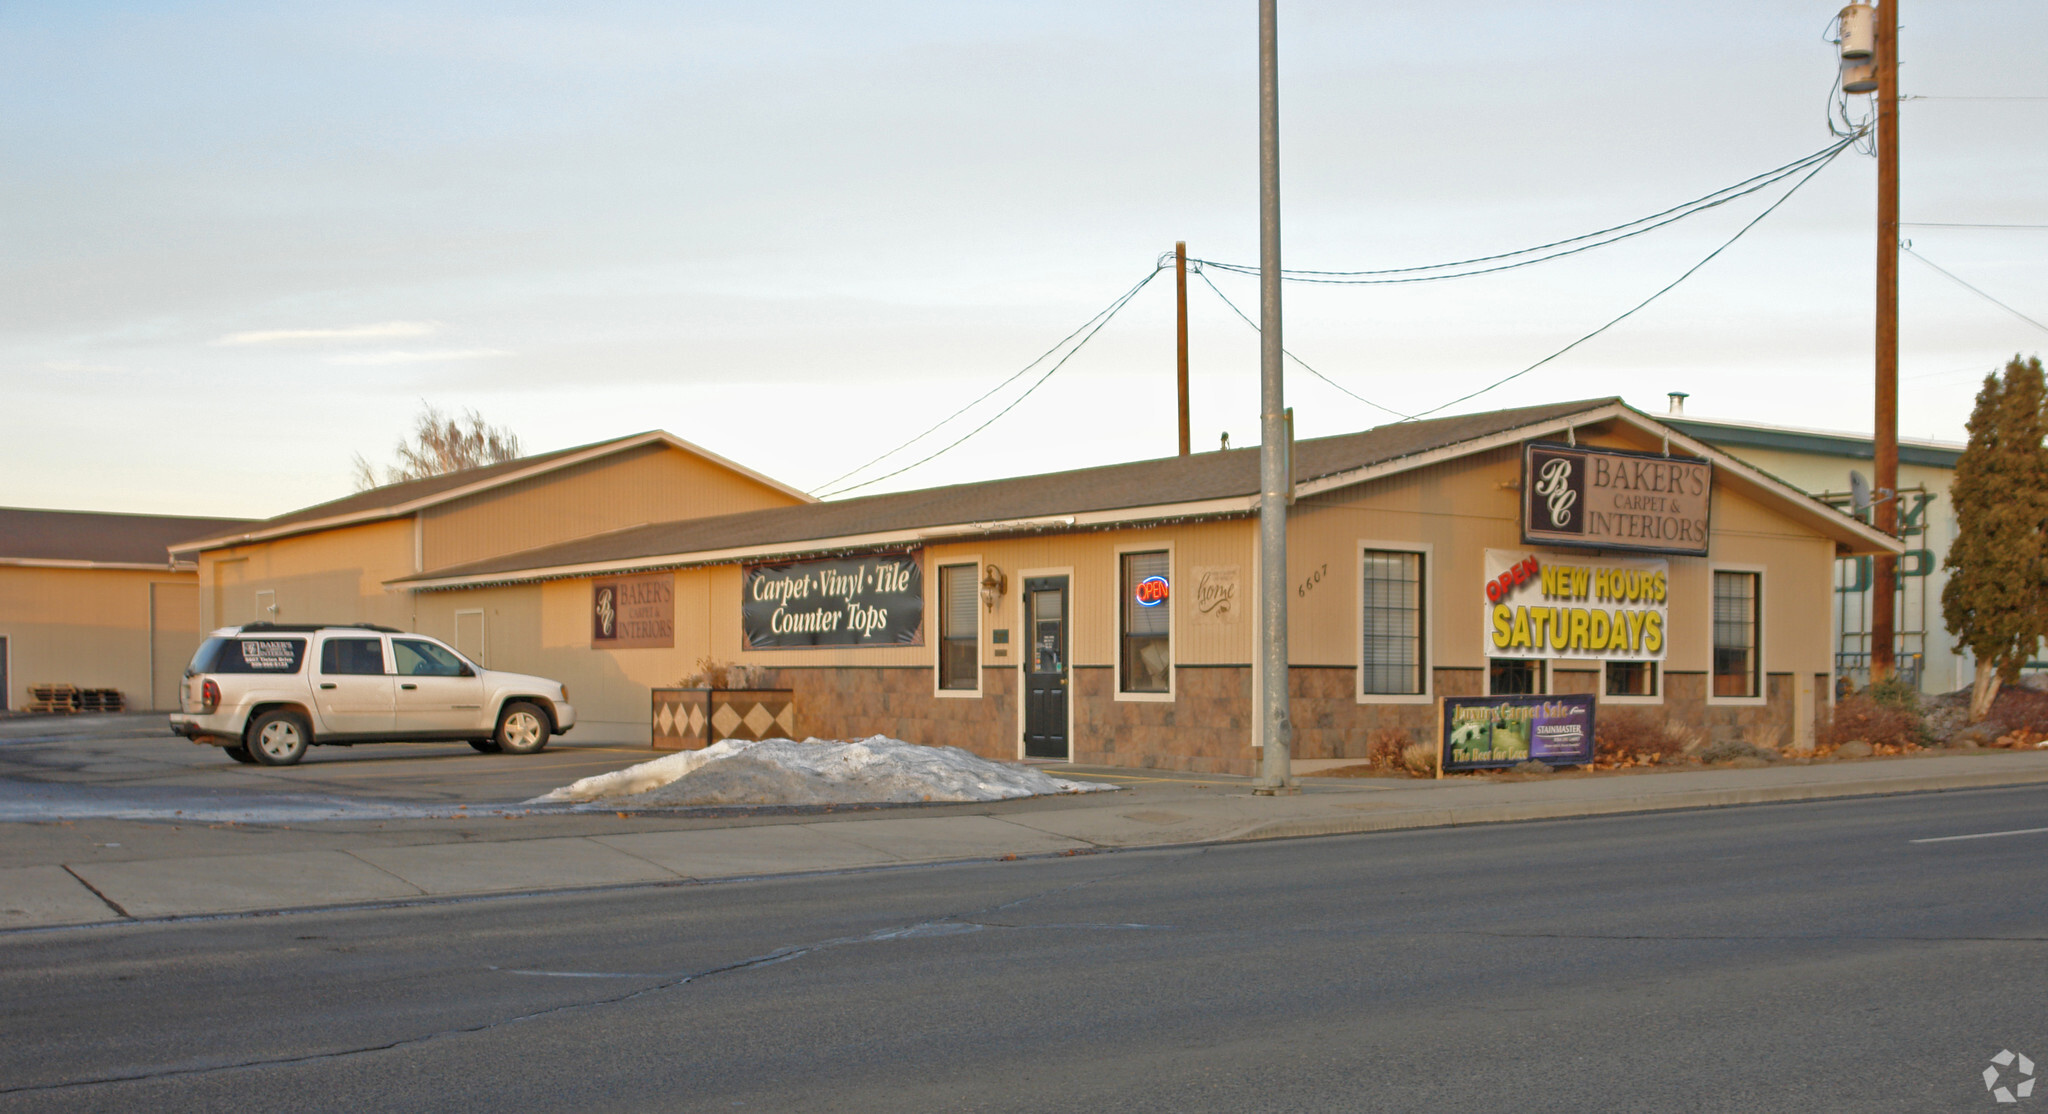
[279, 738]
[522, 729]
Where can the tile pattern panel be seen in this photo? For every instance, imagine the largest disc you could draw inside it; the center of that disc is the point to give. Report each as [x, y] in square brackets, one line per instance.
[691, 719]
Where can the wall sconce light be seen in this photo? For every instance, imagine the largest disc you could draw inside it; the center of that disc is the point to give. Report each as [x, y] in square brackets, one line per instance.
[993, 585]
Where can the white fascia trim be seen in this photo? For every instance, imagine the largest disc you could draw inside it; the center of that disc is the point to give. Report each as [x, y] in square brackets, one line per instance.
[1799, 501]
[398, 510]
[62, 563]
[1206, 509]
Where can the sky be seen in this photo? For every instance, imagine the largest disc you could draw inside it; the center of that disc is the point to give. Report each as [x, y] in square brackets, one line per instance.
[243, 242]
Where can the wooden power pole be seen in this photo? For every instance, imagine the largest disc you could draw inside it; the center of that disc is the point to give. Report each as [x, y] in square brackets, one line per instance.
[1180, 290]
[1885, 439]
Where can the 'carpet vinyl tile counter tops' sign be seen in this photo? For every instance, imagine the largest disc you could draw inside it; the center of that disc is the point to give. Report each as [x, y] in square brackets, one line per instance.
[875, 600]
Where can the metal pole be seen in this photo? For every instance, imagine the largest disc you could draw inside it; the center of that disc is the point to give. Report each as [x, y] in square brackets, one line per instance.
[1275, 763]
[1180, 287]
[1885, 511]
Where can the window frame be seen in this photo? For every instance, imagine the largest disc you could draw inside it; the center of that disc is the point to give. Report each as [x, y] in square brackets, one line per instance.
[1172, 606]
[1758, 668]
[1657, 682]
[1426, 629]
[383, 647]
[936, 607]
[1543, 677]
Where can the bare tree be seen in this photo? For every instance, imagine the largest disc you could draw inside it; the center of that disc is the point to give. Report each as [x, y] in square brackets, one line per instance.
[441, 444]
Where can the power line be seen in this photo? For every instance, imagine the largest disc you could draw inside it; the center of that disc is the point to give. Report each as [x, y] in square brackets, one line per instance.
[1297, 359]
[1952, 224]
[1923, 97]
[1011, 378]
[1601, 238]
[1908, 249]
[1098, 321]
[1689, 272]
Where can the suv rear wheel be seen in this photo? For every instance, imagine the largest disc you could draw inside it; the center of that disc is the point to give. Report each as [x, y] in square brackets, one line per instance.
[279, 738]
[522, 729]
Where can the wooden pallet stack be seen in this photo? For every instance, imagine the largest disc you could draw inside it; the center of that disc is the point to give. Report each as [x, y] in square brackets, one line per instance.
[100, 700]
[52, 700]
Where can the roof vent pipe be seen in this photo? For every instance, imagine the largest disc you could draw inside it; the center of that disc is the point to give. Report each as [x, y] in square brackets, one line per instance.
[1678, 401]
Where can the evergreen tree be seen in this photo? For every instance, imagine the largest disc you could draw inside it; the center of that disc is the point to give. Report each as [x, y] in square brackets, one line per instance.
[1996, 599]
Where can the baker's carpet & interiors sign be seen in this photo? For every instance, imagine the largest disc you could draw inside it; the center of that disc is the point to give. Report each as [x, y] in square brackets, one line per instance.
[1602, 499]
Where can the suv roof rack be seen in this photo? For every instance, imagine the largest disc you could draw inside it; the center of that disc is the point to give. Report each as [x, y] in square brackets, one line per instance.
[310, 627]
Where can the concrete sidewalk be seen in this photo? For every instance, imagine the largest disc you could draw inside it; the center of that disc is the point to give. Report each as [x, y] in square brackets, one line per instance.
[79, 872]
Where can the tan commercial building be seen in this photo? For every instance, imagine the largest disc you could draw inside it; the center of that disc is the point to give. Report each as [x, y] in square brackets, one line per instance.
[333, 563]
[95, 601]
[1107, 615]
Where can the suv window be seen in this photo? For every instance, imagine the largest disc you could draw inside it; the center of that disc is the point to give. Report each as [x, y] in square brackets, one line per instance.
[352, 657]
[424, 659]
[248, 655]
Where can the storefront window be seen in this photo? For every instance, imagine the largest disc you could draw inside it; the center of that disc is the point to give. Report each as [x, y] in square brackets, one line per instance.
[959, 630]
[1391, 658]
[1514, 677]
[1147, 622]
[1631, 678]
[1737, 610]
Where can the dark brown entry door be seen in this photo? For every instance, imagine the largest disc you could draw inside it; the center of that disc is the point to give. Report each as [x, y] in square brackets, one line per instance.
[1045, 667]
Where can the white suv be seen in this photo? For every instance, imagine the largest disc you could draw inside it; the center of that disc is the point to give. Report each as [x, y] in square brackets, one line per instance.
[265, 692]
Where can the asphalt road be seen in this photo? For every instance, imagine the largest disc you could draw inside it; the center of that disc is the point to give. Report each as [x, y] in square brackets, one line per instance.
[1788, 957]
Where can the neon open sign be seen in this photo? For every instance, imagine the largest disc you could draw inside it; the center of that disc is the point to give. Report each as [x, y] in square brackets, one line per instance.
[1151, 591]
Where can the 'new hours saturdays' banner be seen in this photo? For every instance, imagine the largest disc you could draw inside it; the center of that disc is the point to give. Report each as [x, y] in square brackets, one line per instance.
[1550, 605]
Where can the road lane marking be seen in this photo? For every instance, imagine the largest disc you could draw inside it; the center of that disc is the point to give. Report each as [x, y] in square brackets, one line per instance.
[1981, 835]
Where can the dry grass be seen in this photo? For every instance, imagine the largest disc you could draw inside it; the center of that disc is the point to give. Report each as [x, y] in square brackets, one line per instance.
[713, 674]
[1420, 760]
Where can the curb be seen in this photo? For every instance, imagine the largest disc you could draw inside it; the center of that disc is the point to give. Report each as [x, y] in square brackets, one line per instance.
[1682, 801]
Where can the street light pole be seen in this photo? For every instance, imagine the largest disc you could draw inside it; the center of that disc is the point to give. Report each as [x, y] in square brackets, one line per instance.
[1275, 766]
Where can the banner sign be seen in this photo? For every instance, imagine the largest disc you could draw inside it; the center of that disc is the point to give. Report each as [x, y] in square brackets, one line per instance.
[633, 612]
[1548, 605]
[1603, 499]
[876, 600]
[1483, 732]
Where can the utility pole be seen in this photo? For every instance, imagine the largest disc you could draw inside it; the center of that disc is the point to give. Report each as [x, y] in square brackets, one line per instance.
[1275, 764]
[1180, 290]
[1885, 441]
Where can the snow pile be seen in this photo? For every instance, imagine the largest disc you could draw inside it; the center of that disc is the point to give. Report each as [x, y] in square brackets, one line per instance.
[877, 770]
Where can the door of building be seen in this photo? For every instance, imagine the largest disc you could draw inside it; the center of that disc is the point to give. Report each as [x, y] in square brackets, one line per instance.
[4, 680]
[1046, 668]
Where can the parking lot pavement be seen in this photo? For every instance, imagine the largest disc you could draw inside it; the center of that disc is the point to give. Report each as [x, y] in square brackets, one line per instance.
[131, 765]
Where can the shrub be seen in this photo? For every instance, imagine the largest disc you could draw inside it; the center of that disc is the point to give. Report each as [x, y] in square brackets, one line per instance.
[1894, 693]
[1881, 725]
[1385, 746]
[1420, 759]
[2018, 708]
[1632, 737]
